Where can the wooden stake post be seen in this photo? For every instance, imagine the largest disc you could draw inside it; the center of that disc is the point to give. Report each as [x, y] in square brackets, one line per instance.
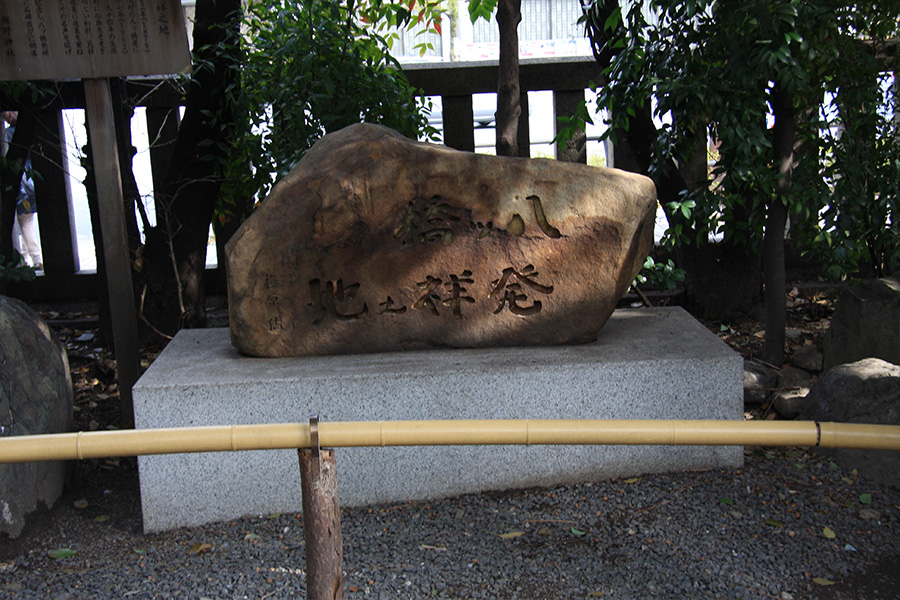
[64, 39]
[321, 520]
[102, 131]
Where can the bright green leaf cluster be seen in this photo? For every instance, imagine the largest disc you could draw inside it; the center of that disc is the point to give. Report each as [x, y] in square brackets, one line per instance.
[659, 275]
[482, 9]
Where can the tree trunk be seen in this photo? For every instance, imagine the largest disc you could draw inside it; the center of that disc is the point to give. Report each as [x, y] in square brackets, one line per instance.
[722, 278]
[453, 18]
[177, 247]
[776, 220]
[93, 200]
[860, 132]
[131, 196]
[509, 14]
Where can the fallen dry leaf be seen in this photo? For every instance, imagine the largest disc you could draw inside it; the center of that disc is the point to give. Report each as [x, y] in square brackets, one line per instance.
[200, 548]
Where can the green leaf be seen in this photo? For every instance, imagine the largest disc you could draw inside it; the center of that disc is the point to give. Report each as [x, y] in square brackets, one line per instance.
[62, 553]
[482, 9]
[727, 501]
[775, 523]
[865, 498]
[613, 20]
[578, 532]
[828, 532]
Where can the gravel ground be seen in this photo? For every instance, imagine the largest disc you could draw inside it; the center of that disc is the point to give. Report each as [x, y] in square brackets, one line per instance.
[787, 525]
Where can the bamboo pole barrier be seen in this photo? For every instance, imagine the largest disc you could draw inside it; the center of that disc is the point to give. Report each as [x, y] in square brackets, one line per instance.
[136, 442]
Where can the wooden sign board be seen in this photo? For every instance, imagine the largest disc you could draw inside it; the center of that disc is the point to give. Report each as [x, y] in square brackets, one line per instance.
[87, 39]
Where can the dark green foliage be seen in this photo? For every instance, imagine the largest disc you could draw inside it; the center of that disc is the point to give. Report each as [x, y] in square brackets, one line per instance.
[309, 68]
[860, 178]
[714, 67]
[15, 270]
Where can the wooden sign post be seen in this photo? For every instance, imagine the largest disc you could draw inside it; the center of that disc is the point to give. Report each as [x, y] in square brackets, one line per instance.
[94, 40]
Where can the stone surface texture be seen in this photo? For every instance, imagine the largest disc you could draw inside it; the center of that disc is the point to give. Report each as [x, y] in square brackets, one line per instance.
[789, 403]
[375, 242]
[654, 364]
[866, 323]
[867, 391]
[35, 397]
[759, 381]
[808, 358]
[792, 378]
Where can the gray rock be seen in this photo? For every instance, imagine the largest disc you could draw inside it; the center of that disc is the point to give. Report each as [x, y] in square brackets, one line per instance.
[759, 380]
[35, 397]
[807, 358]
[865, 324]
[792, 378]
[792, 333]
[789, 403]
[867, 391]
[869, 514]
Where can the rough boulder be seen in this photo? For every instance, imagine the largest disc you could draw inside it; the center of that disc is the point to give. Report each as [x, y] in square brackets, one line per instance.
[866, 323]
[867, 391]
[375, 242]
[35, 397]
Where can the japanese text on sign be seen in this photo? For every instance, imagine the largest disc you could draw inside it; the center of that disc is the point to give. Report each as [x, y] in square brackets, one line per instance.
[66, 39]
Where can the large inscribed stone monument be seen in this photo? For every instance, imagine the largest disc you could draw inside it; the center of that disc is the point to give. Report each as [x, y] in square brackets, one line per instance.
[376, 243]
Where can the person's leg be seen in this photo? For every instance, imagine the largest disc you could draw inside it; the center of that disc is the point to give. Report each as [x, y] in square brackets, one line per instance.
[31, 248]
[16, 237]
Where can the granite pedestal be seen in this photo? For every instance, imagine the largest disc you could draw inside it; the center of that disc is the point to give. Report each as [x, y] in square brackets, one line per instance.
[647, 363]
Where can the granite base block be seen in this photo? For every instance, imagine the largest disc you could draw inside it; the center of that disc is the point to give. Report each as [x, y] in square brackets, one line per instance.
[646, 364]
